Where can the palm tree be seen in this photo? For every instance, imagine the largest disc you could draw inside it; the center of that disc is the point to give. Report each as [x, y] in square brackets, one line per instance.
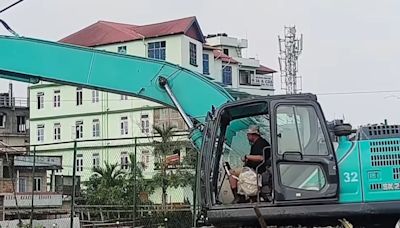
[163, 147]
[105, 186]
[136, 183]
[109, 175]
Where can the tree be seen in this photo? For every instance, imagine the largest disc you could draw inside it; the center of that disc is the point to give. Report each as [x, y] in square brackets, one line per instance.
[109, 175]
[135, 182]
[105, 186]
[167, 145]
[109, 185]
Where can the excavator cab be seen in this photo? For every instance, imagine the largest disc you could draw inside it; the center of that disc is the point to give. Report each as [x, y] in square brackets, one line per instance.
[302, 167]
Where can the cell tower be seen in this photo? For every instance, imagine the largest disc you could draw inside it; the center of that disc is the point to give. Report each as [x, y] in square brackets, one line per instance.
[289, 50]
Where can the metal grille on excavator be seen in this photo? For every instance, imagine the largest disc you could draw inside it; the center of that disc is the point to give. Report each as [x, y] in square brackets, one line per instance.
[385, 153]
[382, 169]
[379, 132]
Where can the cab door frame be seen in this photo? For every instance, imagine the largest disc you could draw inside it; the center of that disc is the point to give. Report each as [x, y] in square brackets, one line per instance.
[284, 195]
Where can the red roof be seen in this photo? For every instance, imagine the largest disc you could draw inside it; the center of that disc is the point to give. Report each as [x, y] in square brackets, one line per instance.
[218, 54]
[105, 32]
[264, 70]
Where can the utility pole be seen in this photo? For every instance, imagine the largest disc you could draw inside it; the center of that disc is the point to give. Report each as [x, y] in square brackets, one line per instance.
[290, 48]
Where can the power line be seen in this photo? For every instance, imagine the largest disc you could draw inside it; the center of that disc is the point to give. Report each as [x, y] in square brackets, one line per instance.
[8, 7]
[358, 92]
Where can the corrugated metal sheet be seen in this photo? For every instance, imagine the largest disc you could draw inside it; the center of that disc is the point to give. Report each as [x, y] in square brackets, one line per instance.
[105, 32]
[264, 70]
[218, 54]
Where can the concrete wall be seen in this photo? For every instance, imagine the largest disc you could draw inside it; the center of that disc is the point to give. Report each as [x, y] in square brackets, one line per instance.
[211, 63]
[173, 52]
[9, 134]
[185, 54]
[108, 110]
[59, 223]
[29, 185]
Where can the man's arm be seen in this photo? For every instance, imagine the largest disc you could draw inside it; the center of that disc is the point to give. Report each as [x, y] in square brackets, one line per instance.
[254, 158]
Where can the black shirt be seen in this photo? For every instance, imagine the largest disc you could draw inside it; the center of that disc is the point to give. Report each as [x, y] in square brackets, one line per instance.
[257, 149]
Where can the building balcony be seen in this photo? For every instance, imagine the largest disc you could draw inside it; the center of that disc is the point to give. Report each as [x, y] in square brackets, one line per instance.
[40, 199]
[222, 40]
[6, 102]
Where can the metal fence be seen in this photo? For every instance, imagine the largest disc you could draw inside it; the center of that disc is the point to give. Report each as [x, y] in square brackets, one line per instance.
[124, 182]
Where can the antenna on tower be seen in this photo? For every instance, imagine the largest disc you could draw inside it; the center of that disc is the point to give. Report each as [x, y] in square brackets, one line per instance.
[290, 48]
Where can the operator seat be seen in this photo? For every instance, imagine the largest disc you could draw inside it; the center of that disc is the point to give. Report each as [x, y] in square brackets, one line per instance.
[265, 192]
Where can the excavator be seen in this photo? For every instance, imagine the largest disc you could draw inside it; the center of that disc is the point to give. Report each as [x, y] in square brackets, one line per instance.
[310, 183]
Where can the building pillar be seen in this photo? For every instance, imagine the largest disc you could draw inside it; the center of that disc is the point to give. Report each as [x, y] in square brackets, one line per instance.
[1, 167]
[17, 187]
[53, 181]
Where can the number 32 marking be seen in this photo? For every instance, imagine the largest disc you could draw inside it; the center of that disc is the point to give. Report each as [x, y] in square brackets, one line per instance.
[350, 177]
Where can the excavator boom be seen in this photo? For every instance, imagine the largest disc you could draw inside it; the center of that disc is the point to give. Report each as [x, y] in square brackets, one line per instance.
[32, 60]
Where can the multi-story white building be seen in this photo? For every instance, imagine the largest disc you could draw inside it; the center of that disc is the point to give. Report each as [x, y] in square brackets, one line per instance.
[248, 75]
[61, 113]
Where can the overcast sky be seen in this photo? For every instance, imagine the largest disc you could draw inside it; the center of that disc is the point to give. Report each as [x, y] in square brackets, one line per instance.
[349, 46]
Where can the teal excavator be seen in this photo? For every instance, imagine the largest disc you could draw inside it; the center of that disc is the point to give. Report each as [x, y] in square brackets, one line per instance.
[310, 181]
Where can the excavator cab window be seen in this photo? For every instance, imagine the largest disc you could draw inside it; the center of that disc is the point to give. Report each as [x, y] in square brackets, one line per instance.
[299, 133]
[304, 160]
[300, 165]
[233, 126]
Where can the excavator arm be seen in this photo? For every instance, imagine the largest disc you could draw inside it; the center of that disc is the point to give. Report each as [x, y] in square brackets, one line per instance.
[32, 60]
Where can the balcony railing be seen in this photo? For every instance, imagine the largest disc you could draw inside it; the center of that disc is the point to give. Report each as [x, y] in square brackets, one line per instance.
[40, 199]
[5, 101]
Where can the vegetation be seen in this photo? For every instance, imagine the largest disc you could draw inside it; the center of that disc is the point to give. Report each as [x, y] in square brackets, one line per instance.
[109, 185]
[183, 174]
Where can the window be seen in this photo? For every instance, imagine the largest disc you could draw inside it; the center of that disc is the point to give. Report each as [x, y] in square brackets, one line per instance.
[300, 131]
[3, 118]
[156, 50]
[206, 64]
[124, 125]
[235, 143]
[96, 160]
[226, 51]
[145, 158]
[79, 96]
[37, 184]
[40, 100]
[245, 77]
[79, 162]
[124, 97]
[96, 128]
[21, 124]
[145, 123]
[95, 96]
[4, 100]
[79, 129]
[302, 176]
[57, 131]
[193, 54]
[56, 99]
[22, 184]
[124, 160]
[227, 75]
[40, 133]
[6, 171]
[121, 49]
